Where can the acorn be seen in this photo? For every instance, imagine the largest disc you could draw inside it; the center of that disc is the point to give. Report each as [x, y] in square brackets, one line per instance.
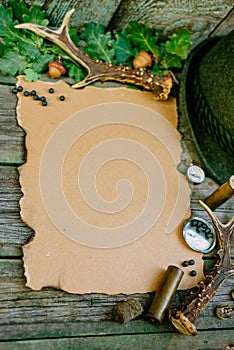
[142, 60]
[56, 69]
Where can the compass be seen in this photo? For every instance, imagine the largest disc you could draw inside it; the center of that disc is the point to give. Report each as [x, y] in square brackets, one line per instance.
[195, 174]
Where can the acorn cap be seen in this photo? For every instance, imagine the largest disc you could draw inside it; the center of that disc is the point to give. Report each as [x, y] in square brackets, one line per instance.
[206, 104]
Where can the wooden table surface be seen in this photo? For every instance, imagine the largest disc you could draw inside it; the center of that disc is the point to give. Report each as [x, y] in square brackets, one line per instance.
[53, 319]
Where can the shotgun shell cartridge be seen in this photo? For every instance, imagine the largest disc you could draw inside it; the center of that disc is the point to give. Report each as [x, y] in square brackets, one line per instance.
[165, 293]
[221, 195]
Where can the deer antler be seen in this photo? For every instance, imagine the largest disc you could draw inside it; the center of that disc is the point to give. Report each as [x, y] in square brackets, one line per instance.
[205, 290]
[97, 70]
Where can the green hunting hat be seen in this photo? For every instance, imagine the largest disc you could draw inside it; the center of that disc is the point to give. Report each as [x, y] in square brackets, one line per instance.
[206, 104]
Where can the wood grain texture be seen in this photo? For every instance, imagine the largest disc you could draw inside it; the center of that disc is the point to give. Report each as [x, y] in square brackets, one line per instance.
[171, 341]
[22, 309]
[85, 11]
[11, 135]
[200, 17]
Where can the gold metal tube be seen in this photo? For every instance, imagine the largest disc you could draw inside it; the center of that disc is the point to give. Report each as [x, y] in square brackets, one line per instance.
[165, 293]
[221, 195]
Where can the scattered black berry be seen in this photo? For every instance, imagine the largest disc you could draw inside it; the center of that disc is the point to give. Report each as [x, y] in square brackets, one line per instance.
[20, 88]
[14, 90]
[36, 97]
[44, 103]
[51, 90]
[62, 98]
[185, 263]
[191, 262]
[193, 273]
[43, 98]
[33, 92]
[26, 93]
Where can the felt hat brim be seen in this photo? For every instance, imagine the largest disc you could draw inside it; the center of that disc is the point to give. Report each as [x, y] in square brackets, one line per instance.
[217, 160]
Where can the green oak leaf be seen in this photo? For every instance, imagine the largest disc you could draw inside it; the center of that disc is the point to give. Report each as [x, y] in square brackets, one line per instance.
[142, 36]
[31, 75]
[36, 15]
[40, 64]
[75, 71]
[123, 49]
[6, 23]
[28, 50]
[157, 68]
[2, 48]
[13, 63]
[179, 44]
[74, 35]
[171, 61]
[97, 42]
[19, 9]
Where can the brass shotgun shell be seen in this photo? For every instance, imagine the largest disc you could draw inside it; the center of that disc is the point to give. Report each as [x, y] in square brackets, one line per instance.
[165, 293]
[221, 195]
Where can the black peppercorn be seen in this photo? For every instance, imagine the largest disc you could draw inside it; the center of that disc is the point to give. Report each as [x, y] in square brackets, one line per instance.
[33, 92]
[36, 97]
[26, 93]
[62, 98]
[44, 103]
[185, 263]
[14, 90]
[193, 273]
[20, 88]
[51, 90]
[43, 98]
[191, 262]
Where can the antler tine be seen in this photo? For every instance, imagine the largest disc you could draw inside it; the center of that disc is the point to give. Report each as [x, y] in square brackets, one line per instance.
[223, 231]
[184, 317]
[60, 37]
[214, 219]
[97, 70]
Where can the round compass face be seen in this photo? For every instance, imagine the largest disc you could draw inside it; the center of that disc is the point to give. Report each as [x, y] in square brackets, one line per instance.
[195, 174]
[199, 235]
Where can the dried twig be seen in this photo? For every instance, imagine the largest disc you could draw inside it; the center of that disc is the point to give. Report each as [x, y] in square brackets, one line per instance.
[97, 70]
[184, 318]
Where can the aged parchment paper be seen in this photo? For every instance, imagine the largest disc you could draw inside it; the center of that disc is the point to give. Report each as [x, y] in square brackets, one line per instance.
[102, 191]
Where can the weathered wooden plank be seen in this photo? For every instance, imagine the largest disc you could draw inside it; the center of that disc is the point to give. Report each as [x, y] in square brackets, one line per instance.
[25, 311]
[200, 17]
[10, 192]
[11, 135]
[86, 11]
[204, 341]
[13, 235]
